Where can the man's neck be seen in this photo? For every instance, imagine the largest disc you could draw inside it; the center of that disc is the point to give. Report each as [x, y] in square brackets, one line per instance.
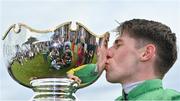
[130, 86]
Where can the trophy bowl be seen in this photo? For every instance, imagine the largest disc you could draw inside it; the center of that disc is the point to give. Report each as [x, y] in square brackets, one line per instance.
[41, 59]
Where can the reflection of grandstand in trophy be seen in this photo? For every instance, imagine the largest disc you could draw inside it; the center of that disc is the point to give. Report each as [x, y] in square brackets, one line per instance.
[51, 53]
[71, 46]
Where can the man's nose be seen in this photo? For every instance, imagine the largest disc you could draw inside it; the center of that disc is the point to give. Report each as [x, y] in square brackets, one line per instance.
[109, 53]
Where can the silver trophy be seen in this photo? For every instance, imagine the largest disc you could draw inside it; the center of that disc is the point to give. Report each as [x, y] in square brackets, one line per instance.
[41, 59]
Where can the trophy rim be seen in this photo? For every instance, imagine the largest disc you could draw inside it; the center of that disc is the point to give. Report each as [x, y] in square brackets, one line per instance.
[14, 26]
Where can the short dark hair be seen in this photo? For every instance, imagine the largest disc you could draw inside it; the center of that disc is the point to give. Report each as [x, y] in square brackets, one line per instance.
[158, 34]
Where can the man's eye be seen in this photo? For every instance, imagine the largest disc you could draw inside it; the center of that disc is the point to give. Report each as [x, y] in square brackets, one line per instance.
[116, 41]
[117, 46]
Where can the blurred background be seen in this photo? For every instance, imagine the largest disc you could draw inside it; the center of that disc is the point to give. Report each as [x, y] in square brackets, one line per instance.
[97, 15]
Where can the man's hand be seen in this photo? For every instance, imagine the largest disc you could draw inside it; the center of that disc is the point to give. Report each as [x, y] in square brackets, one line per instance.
[102, 53]
[75, 78]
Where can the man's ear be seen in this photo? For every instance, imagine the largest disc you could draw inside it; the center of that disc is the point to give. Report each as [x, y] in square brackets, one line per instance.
[148, 52]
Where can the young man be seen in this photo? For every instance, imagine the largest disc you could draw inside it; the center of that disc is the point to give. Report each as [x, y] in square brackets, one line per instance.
[141, 55]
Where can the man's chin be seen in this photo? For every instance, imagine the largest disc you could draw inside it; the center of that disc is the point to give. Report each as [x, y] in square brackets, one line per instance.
[110, 79]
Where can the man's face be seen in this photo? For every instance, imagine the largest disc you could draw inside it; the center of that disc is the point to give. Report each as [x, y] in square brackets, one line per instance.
[122, 60]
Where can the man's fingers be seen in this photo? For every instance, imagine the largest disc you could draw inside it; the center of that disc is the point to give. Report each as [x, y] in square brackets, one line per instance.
[105, 40]
[77, 80]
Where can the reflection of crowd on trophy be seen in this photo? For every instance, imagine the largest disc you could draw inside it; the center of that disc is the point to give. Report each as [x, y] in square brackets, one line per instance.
[60, 51]
[64, 48]
[86, 46]
[19, 55]
[29, 51]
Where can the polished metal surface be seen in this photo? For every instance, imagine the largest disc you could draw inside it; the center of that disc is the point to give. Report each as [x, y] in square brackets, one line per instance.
[54, 89]
[32, 54]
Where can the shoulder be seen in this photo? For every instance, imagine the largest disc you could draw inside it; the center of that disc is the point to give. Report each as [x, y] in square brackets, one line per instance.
[162, 94]
[86, 70]
[171, 94]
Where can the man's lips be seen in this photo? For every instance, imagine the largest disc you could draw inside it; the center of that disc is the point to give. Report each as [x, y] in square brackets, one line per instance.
[106, 66]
